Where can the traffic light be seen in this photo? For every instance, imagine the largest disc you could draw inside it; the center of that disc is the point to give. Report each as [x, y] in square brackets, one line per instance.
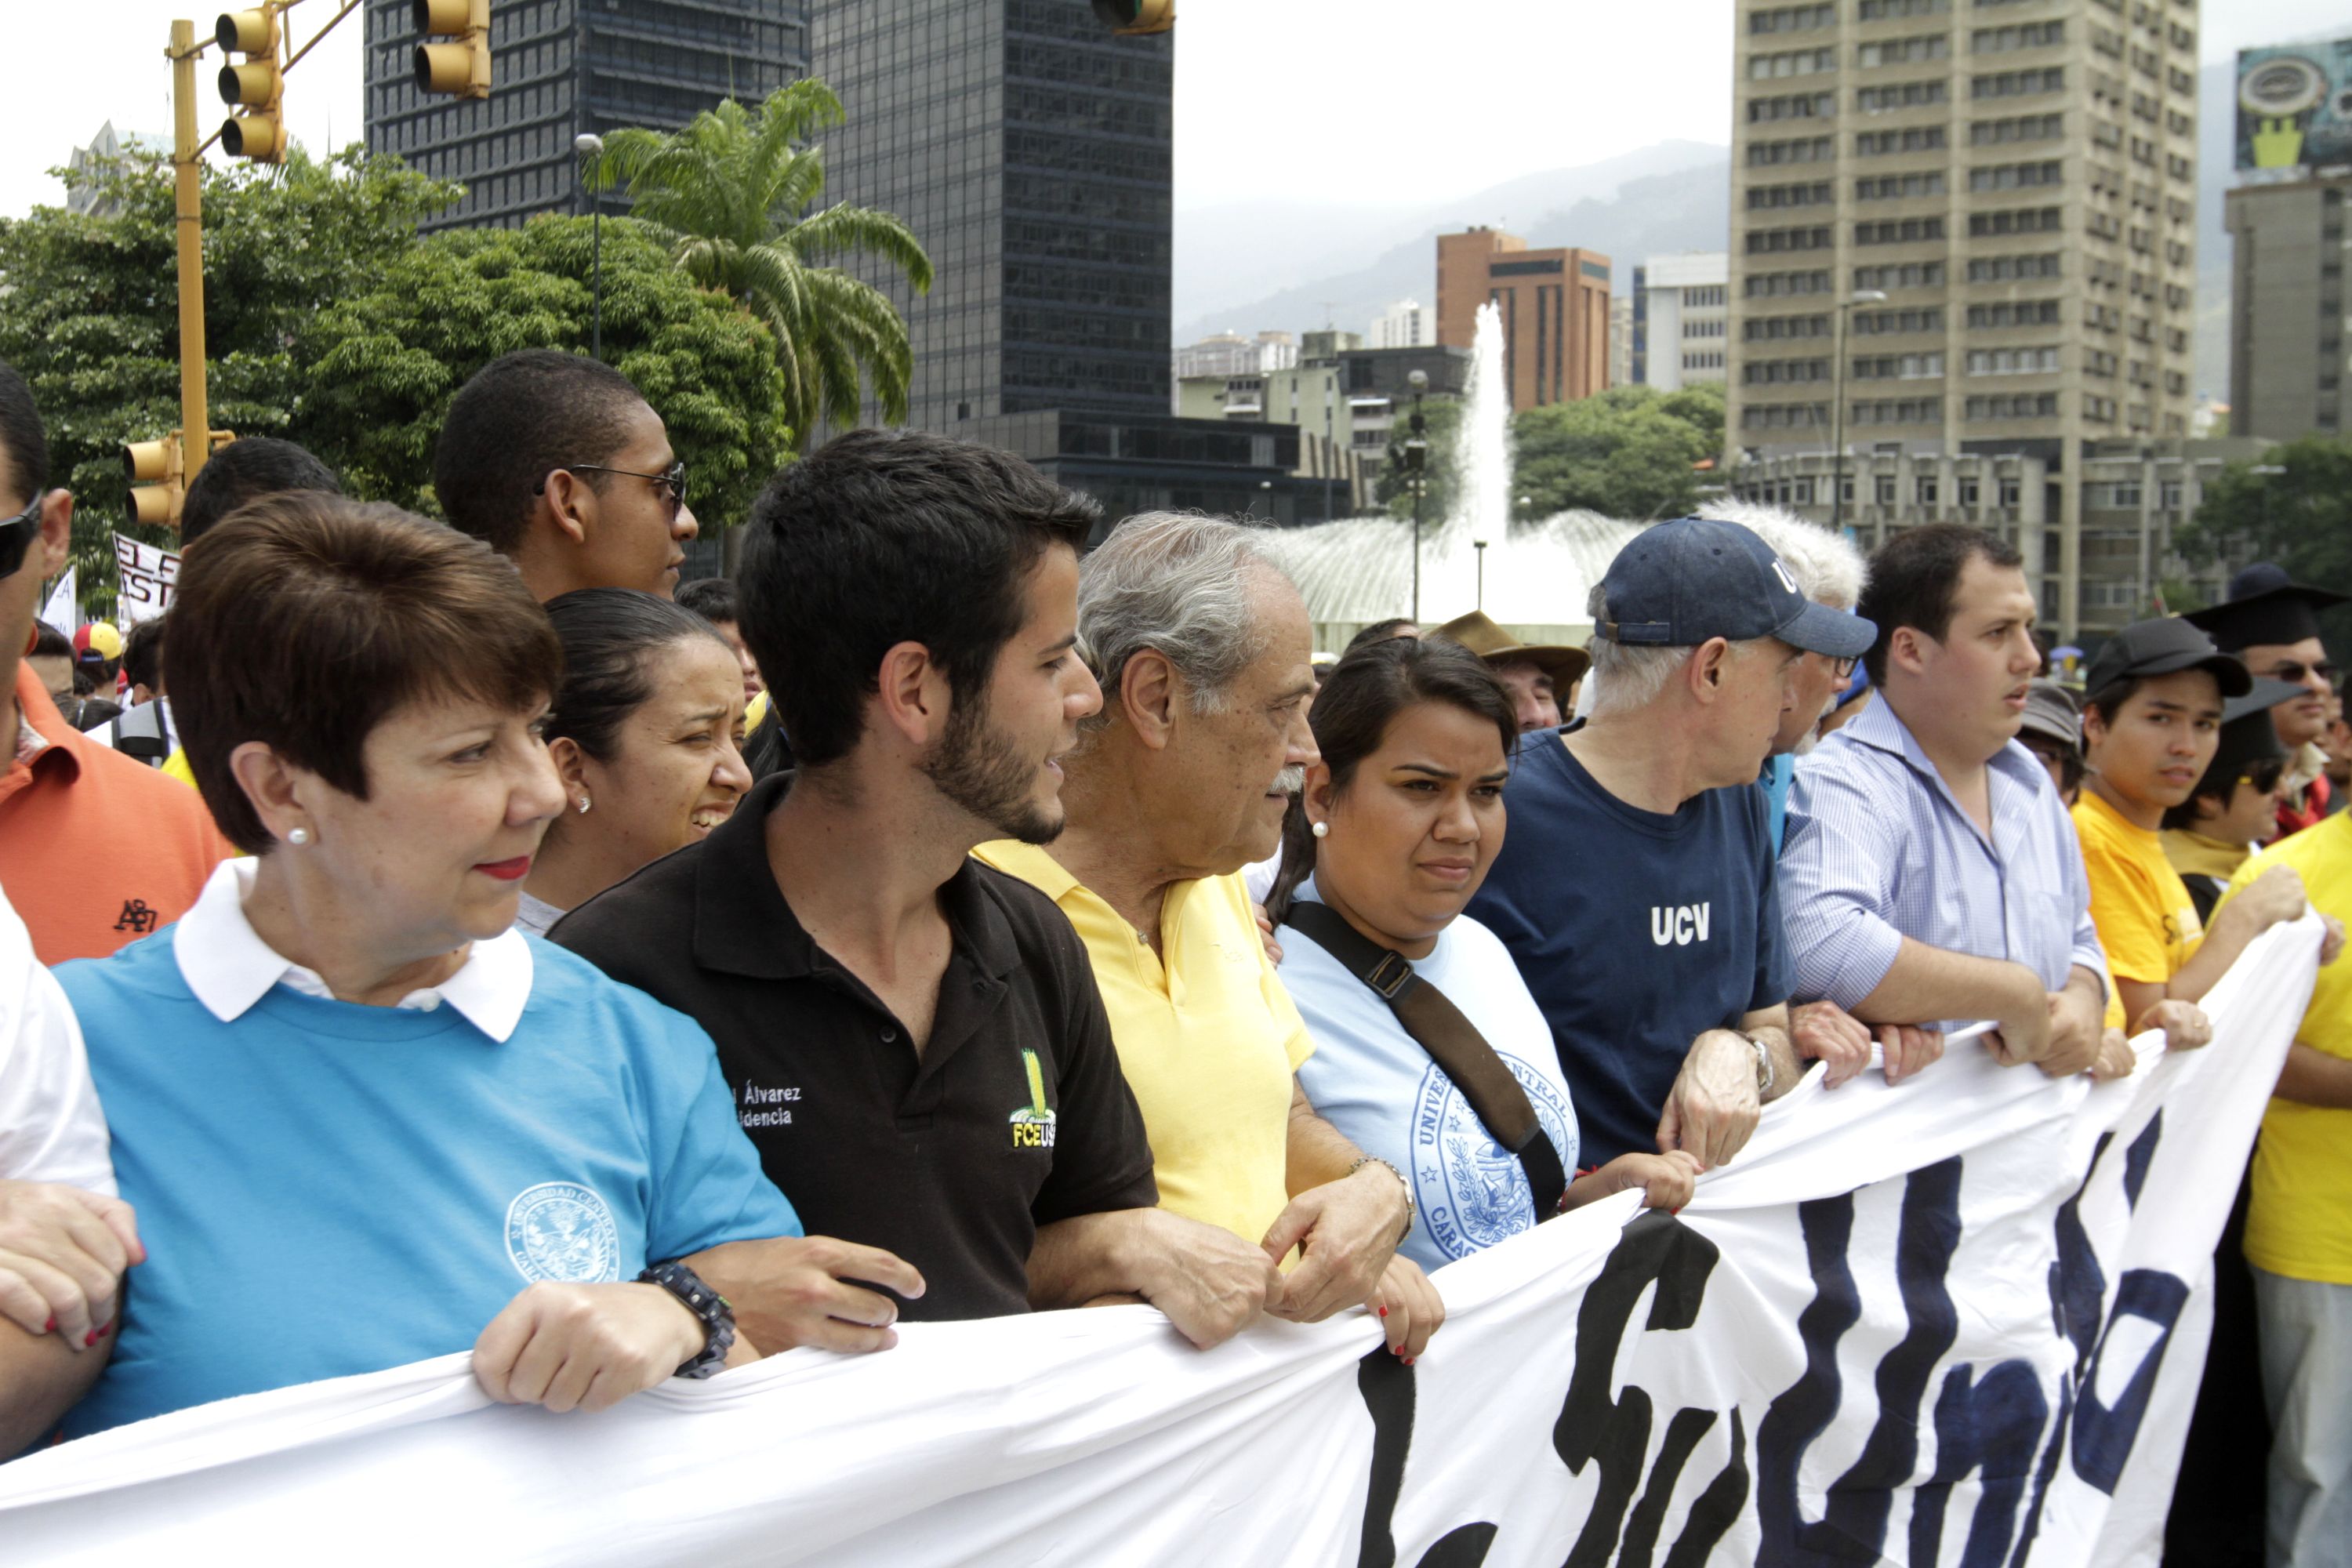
[159, 480]
[255, 87]
[461, 64]
[1137, 16]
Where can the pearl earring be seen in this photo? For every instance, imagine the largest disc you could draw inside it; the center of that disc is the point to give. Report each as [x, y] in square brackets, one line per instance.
[583, 806]
[298, 837]
[1322, 830]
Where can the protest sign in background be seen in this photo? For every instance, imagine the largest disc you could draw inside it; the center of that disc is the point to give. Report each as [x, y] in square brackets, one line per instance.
[147, 574]
[62, 608]
[1957, 1321]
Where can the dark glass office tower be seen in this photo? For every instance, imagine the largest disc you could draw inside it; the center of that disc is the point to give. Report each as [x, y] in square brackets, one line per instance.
[559, 67]
[1029, 148]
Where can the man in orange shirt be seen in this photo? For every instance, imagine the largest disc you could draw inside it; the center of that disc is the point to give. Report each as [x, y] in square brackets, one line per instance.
[95, 850]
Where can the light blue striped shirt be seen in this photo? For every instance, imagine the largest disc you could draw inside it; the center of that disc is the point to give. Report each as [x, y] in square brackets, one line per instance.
[1878, 850]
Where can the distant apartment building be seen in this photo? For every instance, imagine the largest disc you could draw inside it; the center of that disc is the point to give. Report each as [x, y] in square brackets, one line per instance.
[1407, 324]
[1230, 354]
[1622, 359]
[2288, 363]
[82, 193]
[1554, 306]
[1965, 228]
[1311, 397]
[1681, 313]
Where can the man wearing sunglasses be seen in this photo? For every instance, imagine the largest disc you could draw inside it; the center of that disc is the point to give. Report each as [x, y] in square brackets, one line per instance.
[2272, 624]
[95, 850]
[2233, 809]
[557, 462]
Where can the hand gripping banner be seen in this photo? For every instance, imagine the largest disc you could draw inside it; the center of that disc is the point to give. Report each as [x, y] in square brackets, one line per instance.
[1956, 1322]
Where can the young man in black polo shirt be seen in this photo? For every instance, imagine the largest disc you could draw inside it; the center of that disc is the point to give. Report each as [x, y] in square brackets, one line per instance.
[916, 1042]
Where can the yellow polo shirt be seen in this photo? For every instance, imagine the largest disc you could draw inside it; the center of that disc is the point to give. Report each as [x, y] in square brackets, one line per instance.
[1208, 1038]
[2300, 1223]
[2148, 922]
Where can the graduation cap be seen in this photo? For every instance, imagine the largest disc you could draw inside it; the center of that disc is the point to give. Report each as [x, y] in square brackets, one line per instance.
[2247, 735]
[2265, 606]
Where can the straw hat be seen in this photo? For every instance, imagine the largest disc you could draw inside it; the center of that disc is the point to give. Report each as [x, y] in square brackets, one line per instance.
[1481, 636]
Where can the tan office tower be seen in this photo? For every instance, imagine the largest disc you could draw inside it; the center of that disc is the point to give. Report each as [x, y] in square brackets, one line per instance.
[1554, 306]
[1964, 226]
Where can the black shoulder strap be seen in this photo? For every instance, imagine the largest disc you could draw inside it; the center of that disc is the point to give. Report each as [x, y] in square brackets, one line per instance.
[1451, 1041]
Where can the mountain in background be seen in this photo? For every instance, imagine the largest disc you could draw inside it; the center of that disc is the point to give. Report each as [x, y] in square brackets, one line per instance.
[1346, 265]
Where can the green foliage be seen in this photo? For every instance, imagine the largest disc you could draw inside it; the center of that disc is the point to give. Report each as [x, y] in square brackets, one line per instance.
[1444, 416]
[383, 363]
[1629, 452]
[729, 194]
[90, 314]
[2301, 518]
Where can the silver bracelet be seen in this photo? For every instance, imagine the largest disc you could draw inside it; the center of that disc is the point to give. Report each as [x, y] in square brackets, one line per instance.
[1391, 1170]
[1767, 1074]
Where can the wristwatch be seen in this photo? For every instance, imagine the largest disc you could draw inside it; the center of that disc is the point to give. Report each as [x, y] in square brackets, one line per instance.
[1391, 1170]
[710, 1309]
[1766, 1074]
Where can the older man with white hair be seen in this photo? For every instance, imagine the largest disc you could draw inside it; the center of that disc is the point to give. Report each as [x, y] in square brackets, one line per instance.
[1637, 887]
[1202, 647]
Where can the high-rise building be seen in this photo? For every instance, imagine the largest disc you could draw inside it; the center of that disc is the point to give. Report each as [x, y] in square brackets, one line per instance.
[1966, 227]
[1030, 149]
[2287, 368]
[1682, 319]
[1555, 310]
[1404, 325]
[560, 69]
[1230, 354]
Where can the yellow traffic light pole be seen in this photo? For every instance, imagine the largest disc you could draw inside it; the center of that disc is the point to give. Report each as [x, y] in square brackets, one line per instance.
[187, 172]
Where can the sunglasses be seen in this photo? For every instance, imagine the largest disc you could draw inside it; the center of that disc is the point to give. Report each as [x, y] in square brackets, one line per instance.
[2264, 777]
[671, 483]
[18, 533]
[2292, 671]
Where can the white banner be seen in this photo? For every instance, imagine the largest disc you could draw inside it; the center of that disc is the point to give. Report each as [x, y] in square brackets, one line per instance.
[148, 576]
[1957, 1322]
[62, 608]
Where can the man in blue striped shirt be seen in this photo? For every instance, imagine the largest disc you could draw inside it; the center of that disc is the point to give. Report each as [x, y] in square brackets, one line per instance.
[1931, 872]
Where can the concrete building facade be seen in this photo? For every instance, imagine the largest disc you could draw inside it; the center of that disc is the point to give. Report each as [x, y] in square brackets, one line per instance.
[1681, 320]
[1230, 354]
[1965, 228]
[1555, 310]
[1407, 324]
[560, 68]
[2287, 360]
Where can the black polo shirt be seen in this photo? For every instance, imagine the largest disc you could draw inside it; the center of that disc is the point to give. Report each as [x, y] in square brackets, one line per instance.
[1015, 1115]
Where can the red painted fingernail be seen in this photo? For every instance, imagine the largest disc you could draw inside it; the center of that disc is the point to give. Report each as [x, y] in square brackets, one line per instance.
[51, 1326]
[106, 1328]
[1410, 1359]
[1384, 1311]
[90, 1339]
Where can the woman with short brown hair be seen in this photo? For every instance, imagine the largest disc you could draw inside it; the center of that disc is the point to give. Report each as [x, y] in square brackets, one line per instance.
[359, 1115]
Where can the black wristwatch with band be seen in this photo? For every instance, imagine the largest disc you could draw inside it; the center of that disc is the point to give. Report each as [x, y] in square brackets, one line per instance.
[710, 1309]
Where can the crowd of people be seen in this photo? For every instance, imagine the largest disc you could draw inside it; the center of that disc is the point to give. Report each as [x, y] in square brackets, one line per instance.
[473, 931]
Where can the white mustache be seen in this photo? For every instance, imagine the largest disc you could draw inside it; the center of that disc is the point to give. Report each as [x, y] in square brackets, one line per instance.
[1289, 781]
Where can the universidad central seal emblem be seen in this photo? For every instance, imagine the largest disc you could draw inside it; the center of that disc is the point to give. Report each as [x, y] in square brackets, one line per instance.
[1471, 1191]
[563, 1232]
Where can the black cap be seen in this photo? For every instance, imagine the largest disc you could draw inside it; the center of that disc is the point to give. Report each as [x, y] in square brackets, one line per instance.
[2163, 648]
[2265, 606]
[1679, 584]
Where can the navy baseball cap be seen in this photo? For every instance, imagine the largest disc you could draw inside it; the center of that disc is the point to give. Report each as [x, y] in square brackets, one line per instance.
[1681, 583]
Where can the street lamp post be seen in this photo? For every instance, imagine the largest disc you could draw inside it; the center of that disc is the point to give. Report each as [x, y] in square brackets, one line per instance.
[1837, 396]
[590, 146]
[1480, 546]
[1416, 464]
[2268, 471]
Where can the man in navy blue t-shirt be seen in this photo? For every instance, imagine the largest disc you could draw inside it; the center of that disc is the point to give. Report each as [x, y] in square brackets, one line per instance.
[1636, 889]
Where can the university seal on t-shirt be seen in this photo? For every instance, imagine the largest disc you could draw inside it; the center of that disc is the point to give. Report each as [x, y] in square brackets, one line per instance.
[1471, 1191]
[563, 1232]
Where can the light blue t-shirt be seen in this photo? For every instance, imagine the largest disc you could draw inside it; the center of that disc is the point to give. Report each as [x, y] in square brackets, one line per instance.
[325, 1188]
[1376, 1083]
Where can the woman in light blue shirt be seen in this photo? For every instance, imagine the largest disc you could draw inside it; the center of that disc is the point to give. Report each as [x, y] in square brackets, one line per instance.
[1399, 822]
[362, 1120]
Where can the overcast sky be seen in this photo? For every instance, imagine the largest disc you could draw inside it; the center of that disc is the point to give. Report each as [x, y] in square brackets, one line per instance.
[1359, 103]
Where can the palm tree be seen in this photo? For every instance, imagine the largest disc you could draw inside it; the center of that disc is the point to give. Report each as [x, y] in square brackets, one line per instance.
[730, 196]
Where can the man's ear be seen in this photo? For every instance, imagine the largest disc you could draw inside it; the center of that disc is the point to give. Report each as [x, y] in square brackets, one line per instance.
[1707, 667]
[568, 504]
[914, 693]
[1150, 692]
[57, 535]
[1907, 650]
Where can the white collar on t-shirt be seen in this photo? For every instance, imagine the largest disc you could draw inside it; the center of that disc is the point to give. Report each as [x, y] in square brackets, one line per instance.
[230, 968]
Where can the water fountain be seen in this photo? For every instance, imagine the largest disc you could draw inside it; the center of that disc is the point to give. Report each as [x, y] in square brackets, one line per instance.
[1537, 575]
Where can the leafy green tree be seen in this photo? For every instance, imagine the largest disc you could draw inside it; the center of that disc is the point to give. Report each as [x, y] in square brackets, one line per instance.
[2302, 518]
[382, 364]
[730, 197]
[90, 310]
[1629, 452]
